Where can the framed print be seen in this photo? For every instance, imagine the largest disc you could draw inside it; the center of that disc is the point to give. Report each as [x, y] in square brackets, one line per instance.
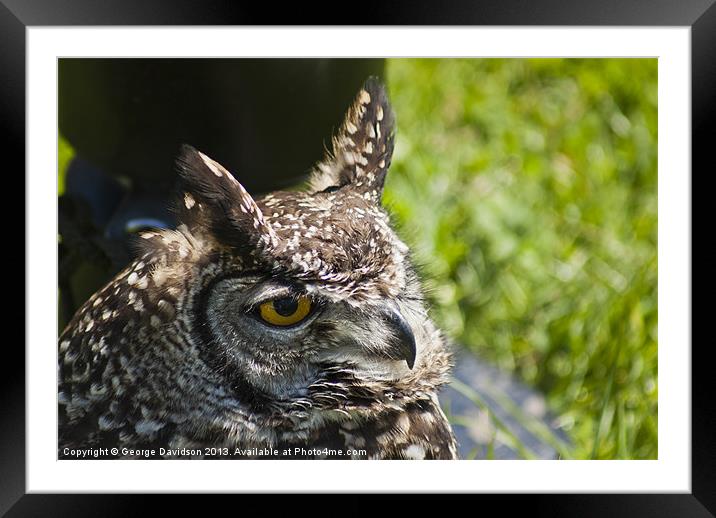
[439, 241]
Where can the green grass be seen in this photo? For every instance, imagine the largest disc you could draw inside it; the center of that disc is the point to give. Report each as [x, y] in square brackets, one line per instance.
[528, 191]
[64, 155]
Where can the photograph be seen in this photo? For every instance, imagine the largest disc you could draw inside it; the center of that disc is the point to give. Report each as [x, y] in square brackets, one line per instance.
[357, 258]
[420, 233]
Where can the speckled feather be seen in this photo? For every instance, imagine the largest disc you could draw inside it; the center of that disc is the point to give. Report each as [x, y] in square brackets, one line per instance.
[167, 354]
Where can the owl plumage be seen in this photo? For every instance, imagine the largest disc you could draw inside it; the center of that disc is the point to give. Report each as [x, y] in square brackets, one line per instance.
[293, 321]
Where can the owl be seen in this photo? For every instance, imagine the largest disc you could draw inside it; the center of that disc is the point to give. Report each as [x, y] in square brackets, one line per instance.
[285, 326]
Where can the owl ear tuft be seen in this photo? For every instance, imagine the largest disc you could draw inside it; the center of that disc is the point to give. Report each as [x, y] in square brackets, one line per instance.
[212, 198]
[363, 146]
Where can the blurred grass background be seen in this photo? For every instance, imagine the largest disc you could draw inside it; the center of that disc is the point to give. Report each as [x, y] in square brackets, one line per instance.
[528, 191]
[64, 156]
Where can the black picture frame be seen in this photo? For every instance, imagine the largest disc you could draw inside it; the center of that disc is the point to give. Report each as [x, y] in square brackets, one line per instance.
[17, 15]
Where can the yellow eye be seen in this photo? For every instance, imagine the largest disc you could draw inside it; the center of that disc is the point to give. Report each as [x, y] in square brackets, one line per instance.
[286, 311]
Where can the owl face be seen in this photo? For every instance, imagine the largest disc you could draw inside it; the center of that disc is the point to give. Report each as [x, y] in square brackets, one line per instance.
[278, 335]
[309, 278]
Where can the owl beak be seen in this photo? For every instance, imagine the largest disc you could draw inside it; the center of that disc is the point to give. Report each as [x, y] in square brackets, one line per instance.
[402, 345]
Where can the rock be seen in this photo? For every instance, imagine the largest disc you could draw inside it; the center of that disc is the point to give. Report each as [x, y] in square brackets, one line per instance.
[495, 416]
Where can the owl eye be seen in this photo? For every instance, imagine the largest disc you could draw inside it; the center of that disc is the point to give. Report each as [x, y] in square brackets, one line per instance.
[286, 311]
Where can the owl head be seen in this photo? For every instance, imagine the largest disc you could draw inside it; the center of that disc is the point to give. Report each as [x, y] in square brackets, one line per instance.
[301, 294]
